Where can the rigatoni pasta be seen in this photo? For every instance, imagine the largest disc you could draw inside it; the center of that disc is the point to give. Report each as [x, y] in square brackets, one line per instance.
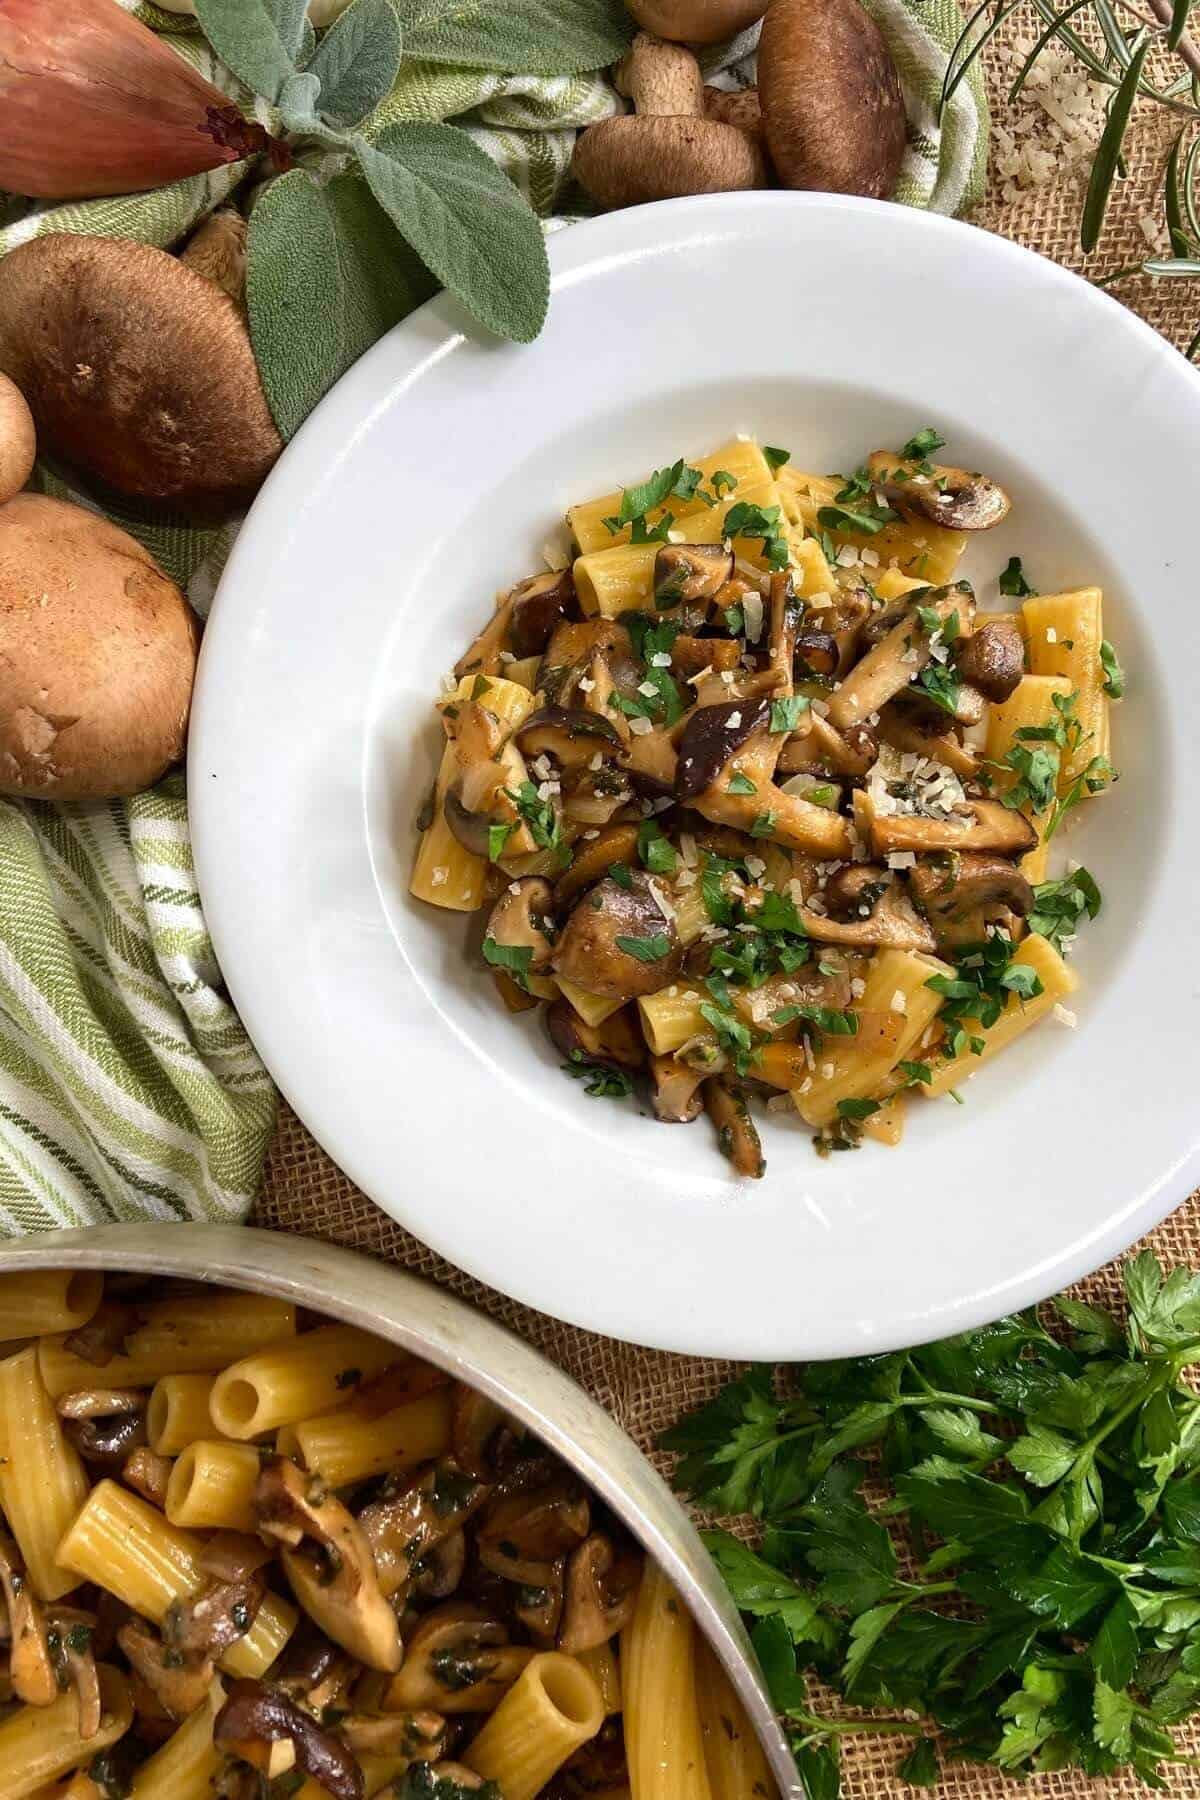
[42, 1482]
[38, 1301]
[780, 801]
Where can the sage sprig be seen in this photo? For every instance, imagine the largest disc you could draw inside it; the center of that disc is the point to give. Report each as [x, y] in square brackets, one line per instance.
[370, 220]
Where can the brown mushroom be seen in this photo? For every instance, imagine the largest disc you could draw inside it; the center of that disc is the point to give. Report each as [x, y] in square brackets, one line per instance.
[616, 1041]
[69, 1640]
[402, 1527]
[905, 730]
[737, 1134]
[831, 100]
[956, 499]
[738, 106]
[693, 656]
[138, 371]
[147, 1474]
[696, 21]
[98, 658]
[817, 653]
[441, 1569]
[602, 1589]
[684, 573]
[254, 1717]
[179, 1684]
[900, 656]
[992, 658]
[105, 1438]
[31, 1667]
[105, 1333]
[457, 1659]
[420, 1736]
[676, 1095]
[215, 1618]
[594, 858]
[962, 894]
[571, 735]
[476, 1424]
[539, 1604]
[490, 770]
[521, 920]
[537, 606]
[983, 825]
[522, 1533]
[328, 1561]
[727, 761]
[890, 918]
[667, 148]
[619, 941]
[18, 440]
[217, 249]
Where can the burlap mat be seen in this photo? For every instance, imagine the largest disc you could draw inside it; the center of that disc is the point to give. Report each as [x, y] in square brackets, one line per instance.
[646, 1390]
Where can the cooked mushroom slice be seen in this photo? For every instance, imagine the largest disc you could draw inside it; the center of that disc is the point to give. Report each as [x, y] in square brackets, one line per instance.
[458, 1659]
[255, 1717]
[650, 762]
[520, 920]
[522, 1532]
[737, 1133]
[31, 1669]
[440, 1570]
[786, 615]
[99, 1340]
[962, 895]
[602, 1588]
[686, 572]
[957, 499]
[677, 1099]
[571, 656]
[992, 658]
[615, 1041]
[328, 1561]
[418, 1735]
[693, 656]
[147, 1474]
[476, 1424]
[408, 1378]
[105, 1439]
[619, 941]
[815, 748]
[898, 658]
[490, 769]
[178, 1684]
[986, 825]
[69, 1640]
[402, 1527]
[537, 606]
[727, 760]
[958, 703]
[891, 918]
[313, 1670]
[904, 730]
[482, 656]
[817, 654]
[572, 736]
[594, 858]
[216, 1618]
[100, 1403]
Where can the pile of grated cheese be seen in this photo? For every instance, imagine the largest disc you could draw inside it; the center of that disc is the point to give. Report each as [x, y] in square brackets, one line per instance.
[1053, 129]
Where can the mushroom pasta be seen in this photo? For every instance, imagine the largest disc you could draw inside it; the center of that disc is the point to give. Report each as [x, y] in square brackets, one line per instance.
[760, 796]
[247, 1555]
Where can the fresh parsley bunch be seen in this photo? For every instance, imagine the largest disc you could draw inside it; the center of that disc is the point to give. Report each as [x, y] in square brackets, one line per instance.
[1014, 1565]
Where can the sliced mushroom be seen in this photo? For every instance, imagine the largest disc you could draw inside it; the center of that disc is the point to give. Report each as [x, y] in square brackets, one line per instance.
[903, 730]
[676, 1098]
[689, 572]
[986, 825]
[956, 499]
[482, 655]
[615, 844]
[571, 735]
[313, 1670]
[476, 1424]
[254, 1717]
[737, 1134]
[786, 615]
[538, 1607]
[69, 1634]
[712, 736]
[521, 920]
[602, 1589]
[992, 658]
[616, 1041]
[962, 894]
[440, 1570]
[458, 1659]
[817, 654]
[100, 1403]
[147, 1474]
[619, 941]
[106, 1440]
[31, 1668]
[401, 1528]
[521, 1533]
[216, 1618]
[178, 1684]
[421, 1736]
[898, 658]
[892, 921]
[328, 1561]
[105, 1333]
[537, 606]
[572, 652]
[727, 760]
[815, 748]
[693, 656]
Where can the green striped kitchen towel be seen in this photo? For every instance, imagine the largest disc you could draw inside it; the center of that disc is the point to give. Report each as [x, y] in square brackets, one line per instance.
[128, 1086]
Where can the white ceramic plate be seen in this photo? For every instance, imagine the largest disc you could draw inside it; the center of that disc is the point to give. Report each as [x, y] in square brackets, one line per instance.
[431, 476]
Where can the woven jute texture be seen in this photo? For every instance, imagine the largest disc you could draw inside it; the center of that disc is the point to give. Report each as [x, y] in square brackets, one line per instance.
[646, 1390]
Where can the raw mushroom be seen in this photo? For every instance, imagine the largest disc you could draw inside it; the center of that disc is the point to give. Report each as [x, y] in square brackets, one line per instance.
[618, 941]
[457, 1659]
[98, 658]
[737, 1134]
[900, 656]
[254, 1717]
[741, 107]
[18, 440]
[668, 147]
[677, 1099]
[956, 499]
[615, 1041]
[335, 1579]
[696, 21]
[831, 100]
[891, 919]
[138, 372]
[602, 1589]
[961, 895]
[519, 921]
[992, 658]
[733, 739]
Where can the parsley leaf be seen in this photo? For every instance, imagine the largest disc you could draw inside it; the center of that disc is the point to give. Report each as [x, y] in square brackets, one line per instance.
[513, 959]
[826, 1018]
[1061, 905]
[1013, 582]
[655, 849]
[741, 784]
[543, 821]
[602, 1081]
[922, 444]
[1114, 674]
[749, 521]
[867, 517]
[723, 482]
[775, 457]
[764, 824]
[937, 684]
[857, 1109]
[786, 713]
[679, 479]
[498, 836]
[647, 949]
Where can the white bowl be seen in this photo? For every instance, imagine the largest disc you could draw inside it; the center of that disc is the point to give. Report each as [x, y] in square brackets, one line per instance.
[431, 476]
[473, 1348]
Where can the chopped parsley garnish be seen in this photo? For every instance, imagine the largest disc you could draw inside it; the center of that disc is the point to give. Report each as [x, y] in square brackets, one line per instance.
[741, 784]
[1013, 582]
[775, 457]
[857, 1109]
[1036, 774]
[601, 1080]
[641, 533]
[544, 824]
[978, 992]
[1098, 775]
[1039, 771]
[831, 1020]
[480, 686]
[786, 713]
[650, 637]
[919, 1073]
[498, 836]
[647, 949]
[746, 520]
[1114, 674]
[866, 517]
[664, 706]
[513, 959]
[778, 913]
[764, 824]
[823, 795]
[922, 445]
[1060, 906]
[938, 685]
[680, 479]
[622, 874]
[655, 849]
[723, 482]
[720, 906]
[735, 620]
[946, 629]
[733, 1037]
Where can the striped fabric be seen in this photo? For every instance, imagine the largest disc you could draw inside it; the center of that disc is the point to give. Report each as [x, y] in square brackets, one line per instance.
[128, 1087]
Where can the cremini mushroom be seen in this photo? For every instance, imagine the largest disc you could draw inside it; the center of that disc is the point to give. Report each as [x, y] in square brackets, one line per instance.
[696, 21]
[18, 440]
[957, 499]
[602, 1589]
[522, 920]
[521, 1533]
[104, 1335]
[901, 655]
[106, 1425]
[539, 1604]
[866, 905]
[179, 1684]
[962, 894]
[403, 1525]
[138, 372]
[686, 573]
[97, 654]
[620, 940]
[727, 760]
[737, 1134]
[214, 1619]
[992, 658]
[832, 107]
[476, 1426]
[328, 1562]
[255, 1717]
[675, 1094]
[737, 106]
[667, 147]
[458, 1659]
[572, 735]
[31, 1667]
[980, 825]
[616, 1041]
[594, 858]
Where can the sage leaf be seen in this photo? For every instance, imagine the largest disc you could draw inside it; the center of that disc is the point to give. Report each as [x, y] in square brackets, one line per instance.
[314, 314]
[1108, 153]
[298, 101]
[358, 60]
[249, 36]
[527, 37]
[466, 221]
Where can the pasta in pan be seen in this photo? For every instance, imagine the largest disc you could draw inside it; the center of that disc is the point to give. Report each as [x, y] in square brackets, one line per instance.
[761, 802]
[401, 1596]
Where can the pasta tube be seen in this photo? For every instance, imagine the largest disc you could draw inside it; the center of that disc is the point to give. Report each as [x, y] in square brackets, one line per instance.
[306, 1375]
[926, 552]
[613, 581]
[126, 1546]
[593, 1009]
[174, 1337]
[40, 1743]
[42, 1481]
[658, 1690]
[670, 1017]
[552, 1708]
[211, 1487]
[741, 458]
[1063, 636]
[186, 1766]
[38, 1301]
[894, 1010]
[378, 1770]
[1057, 979]
[178, 1413]
[346, 1447]
[737, 1768]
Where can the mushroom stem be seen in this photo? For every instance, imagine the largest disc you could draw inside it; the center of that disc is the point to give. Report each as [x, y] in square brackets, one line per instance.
[218, 252]
[663, 80]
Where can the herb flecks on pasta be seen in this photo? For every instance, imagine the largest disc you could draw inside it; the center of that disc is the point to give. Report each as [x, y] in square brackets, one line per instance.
[333, 1571]
[760, 798]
